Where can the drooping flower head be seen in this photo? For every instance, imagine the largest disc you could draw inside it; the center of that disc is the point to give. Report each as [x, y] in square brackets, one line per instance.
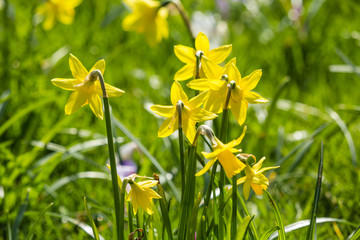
[149, 18]
[224, 153]
[218, 78]
[188, 56]
[141, 195]
[254, 178]
[84, 90]
[191, 113]
[61, 10]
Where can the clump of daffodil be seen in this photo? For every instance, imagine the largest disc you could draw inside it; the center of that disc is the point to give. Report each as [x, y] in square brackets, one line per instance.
[149, 18]
[224, 153]
[217, 80]
[188, 56]
[254, 178]
[61, 10]
[190, 113]
[85, 90]
[141, 194]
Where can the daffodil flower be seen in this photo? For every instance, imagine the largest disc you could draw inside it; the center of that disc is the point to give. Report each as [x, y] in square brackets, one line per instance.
[149, 18]
[255, 179]
[61, 10]
[241, 94]
[85, 91]
[224, 153]
[191, 113]
[141, 195]
[188, 56]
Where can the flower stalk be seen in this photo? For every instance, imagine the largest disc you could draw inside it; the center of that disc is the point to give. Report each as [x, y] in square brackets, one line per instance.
[179, 107]
[94, 76]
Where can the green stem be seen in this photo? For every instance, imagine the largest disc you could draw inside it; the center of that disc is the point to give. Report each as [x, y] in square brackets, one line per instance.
[94, 75]
[234, 208]
[163, 207]
[120, 232]
[130, 218]
[179, 106]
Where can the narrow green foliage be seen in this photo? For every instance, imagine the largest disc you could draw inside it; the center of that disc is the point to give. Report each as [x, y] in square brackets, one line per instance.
[234, 208]
[164, 211]
[38, 220]
[19, 217]
[277, 214]
[355, 235]
[268, 233]
[182, 160]
[130, 218]
[92, 223]
[193, 219]
[243, 227]
[312, 228]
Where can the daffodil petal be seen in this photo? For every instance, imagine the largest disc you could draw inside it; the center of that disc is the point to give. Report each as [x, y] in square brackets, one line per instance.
[76, 100]
[66, 16]
[111, 91]
[206, 167]
[253, 97]
[266, 169]
[169, 126]
[202, 43]
[257, 189]
[203, 84]
[239, 109]
[177, 93]
[132, 22]
[67, 84]
[258, 165]
[211, 69]
[233, 73]
[185, 54]
[99, 65]
[186, 72]
[148, 183]
[95, 105]
[260, 179]
[216, 101]
[164, 111]
[197, 101]
[199, 115]
[77, 69]
[249, 82]
[230, 163]
[246, 189]
[241, 180]
[218, 55]
[189, 129]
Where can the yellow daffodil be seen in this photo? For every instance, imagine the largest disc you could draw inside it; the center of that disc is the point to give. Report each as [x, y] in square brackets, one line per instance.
[84, 90]
[191, 113]
[254, 178]
[61, 10]
[187, 56]
[224, 153]
[149, 18]
[141, 195]
[241, 94]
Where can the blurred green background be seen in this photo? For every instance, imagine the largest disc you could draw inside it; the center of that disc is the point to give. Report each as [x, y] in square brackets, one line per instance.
[308, 51]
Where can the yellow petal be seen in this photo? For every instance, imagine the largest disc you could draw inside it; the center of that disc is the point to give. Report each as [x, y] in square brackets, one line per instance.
[169, 126]
[216, 100]
[49, 21]
[67, 84]
[211, 69]
[218, 55]
[110, 90]
[177, 93]
[249, 82]
[239, 139]
[241, 180]
[66, 16]
[258, 165]
[206, 167]
[189, 129]
[267, 168]
[233, 73]
[185, 54]
[258, 189]
[197, 101]
[203, 84]
[76, 100]
[164, 111]
[77, 69]
[95, 105]
[246, 189]
[199, 115]
[186, 72]
[260, 179]
[230, 163]
[132, 22]
[99, 65]
[202, 43]
[239, 109]
[253, 97]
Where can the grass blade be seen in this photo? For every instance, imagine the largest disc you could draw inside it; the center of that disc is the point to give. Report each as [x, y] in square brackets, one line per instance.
[142, 148]
[312, 228]
[93, 226]
[38, 220]
[279, 222]
[244, 227]
[268, 233]
[355, 235]
[19, 217]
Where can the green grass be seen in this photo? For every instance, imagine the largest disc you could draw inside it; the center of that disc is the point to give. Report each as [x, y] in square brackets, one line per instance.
[39, 145]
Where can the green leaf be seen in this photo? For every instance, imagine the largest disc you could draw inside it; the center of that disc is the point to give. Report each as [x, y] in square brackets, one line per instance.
[93, 226]
[355, 235]
[269, 232]
[278, 218]
[244, 227]
[38, 220]
[19, 217]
